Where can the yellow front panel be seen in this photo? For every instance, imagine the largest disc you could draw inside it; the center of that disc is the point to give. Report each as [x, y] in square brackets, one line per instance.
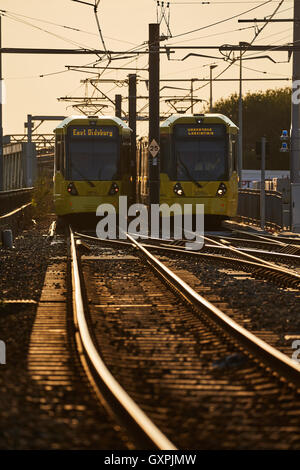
[213, 205]
[88, 199]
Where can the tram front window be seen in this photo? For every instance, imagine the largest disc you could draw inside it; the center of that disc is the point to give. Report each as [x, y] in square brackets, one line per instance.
[200, 160]
[95, 160]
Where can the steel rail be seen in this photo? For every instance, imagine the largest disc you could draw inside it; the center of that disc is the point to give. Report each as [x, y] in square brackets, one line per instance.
[223, 246]
[279, 362]
[243, 240]
[257, 265]
[244, 254]
[277, 270]
[250, 257]
[112, 242]
[272, 254]
[52, 229]
[282, 241]
[15, 211]
[283, 248]
[12, 192]
[149, 434]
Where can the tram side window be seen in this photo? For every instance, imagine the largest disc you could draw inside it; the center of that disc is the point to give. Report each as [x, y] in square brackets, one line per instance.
[57, 154]
[234, 152]
[165, 154]
[60, 154]
[230, 155]
[125, 155]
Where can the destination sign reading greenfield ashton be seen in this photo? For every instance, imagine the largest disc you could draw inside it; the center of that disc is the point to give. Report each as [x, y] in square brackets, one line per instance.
[214, 130]
[92, 132]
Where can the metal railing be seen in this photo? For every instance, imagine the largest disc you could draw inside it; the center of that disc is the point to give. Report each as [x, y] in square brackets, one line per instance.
[13, 167]
[19, 166]
[11, 200]
[249, 207]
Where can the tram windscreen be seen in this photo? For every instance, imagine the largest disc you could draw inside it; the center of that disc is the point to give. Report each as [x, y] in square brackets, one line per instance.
[200, 152]
[93, 153]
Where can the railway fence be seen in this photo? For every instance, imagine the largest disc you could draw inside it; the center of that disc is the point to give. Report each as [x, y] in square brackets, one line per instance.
[23, 165]
[18, 177]
[249, 208]
[19, 166]
[10, 200]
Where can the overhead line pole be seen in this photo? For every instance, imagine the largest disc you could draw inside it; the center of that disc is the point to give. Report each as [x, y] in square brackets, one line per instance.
[154, 159]
[132, 125]
[1, 123]
[240, 141]
[295, 127]
[211, 67]
[192, 95]
[118, 106]
[295, 131]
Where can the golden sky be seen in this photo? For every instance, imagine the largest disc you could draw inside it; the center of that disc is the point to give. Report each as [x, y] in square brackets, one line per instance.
[124, 25]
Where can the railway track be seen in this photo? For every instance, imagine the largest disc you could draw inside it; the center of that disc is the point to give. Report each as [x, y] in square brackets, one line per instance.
[173, 340]
[118, 401]
[284, 255]
[256, 266]
[252, 249]
[276, 245]
[286, 259]
[285, 240]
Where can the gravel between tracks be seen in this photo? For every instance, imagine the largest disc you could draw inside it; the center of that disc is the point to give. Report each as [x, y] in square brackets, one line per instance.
[258, 305]
[34, 416]
[170, 364]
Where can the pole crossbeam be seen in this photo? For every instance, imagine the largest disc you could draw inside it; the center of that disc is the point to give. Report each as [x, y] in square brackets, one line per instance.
[236, 47]
[221, 79]
[162, 49]
[27, 50]
[271, 20]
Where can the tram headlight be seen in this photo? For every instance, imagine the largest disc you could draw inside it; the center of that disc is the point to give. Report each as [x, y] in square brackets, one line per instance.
[114, 189]
[221, 190]
[178, 190]
[72, 189]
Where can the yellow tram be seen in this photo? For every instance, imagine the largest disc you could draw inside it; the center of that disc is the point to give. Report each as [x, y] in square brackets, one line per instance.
[198, 164]
[92, 164]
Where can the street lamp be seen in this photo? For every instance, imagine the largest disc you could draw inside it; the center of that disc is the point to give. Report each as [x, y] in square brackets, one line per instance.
[240, 154]
[240, 140]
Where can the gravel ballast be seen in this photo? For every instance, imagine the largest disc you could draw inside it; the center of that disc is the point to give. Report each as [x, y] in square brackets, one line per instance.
[34, 416]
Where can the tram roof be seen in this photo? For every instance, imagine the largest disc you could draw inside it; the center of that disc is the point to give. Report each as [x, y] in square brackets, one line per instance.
[86, 119]
[211, 118]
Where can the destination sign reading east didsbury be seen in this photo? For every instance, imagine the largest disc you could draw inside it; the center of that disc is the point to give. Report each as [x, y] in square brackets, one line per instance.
[92, 132]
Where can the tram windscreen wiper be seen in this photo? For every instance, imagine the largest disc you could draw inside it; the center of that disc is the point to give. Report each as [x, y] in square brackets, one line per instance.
[187, 171]
[82, 175]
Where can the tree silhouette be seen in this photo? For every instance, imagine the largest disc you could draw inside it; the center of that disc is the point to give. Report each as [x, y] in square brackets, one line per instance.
[264, 114]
